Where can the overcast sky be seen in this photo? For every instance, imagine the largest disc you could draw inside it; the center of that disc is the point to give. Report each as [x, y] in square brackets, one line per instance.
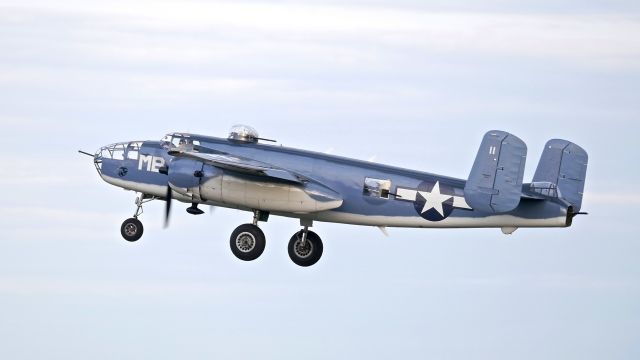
[409, 83]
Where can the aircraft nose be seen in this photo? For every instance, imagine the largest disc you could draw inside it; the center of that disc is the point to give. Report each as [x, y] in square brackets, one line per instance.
[98, 153]
[94, 156]
[97, 159]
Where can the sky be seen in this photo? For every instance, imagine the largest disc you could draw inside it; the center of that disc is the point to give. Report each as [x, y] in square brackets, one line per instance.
[409, 83]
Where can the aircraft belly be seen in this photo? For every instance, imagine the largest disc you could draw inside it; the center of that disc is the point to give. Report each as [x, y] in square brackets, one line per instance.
[493, 221]
[528, 214]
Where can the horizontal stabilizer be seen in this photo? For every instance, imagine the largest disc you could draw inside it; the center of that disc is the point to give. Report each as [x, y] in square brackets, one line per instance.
[495, 181]
[565, 164]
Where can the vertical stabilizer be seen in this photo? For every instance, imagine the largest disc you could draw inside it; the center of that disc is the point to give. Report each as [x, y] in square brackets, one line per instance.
[495, 181]
[565, 164]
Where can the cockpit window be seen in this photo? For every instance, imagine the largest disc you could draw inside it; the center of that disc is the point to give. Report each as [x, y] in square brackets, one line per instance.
[118, 152]
[178, 141]
[166, 141]
[133, 150]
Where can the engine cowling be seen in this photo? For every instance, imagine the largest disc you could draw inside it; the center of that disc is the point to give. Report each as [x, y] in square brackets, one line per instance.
[182, 173]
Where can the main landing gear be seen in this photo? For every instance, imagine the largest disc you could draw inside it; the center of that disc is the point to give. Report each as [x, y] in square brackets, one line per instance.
[247, 242]
[305, 248]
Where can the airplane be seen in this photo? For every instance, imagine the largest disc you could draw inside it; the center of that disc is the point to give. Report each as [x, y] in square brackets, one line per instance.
[244, 172]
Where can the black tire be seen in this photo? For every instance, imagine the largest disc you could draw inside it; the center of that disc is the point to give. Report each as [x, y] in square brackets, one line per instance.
[310, 253]
[132, 229]
[247, 242]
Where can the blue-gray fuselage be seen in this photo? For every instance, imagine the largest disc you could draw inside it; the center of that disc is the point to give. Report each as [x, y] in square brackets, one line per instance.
[370, 193]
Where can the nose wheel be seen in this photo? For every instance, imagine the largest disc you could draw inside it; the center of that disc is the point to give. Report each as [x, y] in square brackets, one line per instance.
[132, 229]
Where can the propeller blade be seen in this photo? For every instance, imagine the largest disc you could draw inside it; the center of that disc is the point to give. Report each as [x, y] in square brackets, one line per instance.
[167, 208]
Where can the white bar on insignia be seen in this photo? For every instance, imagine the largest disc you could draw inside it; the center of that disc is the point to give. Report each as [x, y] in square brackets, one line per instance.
[459, 202]
[406, 194]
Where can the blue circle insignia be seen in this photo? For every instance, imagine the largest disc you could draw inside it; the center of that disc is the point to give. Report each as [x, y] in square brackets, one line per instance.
[122, 171]
[434, 201]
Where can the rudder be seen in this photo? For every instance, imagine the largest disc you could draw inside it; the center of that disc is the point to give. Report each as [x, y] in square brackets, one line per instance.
[565, 164]
[495, 181]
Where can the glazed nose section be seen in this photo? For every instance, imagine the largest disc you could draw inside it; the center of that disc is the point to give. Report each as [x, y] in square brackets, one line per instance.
[97, 159]
[98, 154]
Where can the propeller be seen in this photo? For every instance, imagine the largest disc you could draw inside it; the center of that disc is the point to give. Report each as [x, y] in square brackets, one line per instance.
[167, 209]
[180, 175]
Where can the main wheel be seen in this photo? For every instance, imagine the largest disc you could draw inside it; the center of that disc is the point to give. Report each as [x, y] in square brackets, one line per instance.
[247, 242]
[131, 229]
[308, 253]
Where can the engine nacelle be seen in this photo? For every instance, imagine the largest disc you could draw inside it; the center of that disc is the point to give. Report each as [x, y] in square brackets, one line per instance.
[255, 193]
[198, 183]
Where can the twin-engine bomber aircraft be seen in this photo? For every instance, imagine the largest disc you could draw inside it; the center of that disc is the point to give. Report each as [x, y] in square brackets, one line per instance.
[241, 173]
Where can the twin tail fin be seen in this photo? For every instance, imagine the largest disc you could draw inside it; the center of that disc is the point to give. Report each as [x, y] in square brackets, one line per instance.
[496, 180]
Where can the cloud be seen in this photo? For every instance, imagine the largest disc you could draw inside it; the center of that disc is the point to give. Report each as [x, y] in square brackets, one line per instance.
[200, 32]
[45, 169]
[627, 198]
[130, 289]
[9, 122]
[42, 223]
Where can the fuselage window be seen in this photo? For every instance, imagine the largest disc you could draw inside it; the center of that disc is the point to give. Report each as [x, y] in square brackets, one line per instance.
[376, 188]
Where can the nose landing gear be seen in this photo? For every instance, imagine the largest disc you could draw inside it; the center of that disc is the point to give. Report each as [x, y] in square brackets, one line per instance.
[132, 229]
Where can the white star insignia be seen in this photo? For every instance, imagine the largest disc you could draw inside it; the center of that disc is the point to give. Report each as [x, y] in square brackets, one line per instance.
[434, 199]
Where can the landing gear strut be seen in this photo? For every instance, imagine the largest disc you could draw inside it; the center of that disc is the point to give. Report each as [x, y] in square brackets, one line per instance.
[132, 229]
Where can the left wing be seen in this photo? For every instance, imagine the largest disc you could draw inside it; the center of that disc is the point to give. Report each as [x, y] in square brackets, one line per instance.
[241, 165]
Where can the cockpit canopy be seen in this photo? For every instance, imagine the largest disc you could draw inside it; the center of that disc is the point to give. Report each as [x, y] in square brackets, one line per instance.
[243, 133]
[178, 140]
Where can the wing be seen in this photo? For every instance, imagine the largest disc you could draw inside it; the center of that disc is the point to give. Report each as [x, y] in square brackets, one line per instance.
[241, 165]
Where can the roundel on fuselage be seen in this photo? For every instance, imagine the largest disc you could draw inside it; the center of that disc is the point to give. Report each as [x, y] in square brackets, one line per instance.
[434, 201]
